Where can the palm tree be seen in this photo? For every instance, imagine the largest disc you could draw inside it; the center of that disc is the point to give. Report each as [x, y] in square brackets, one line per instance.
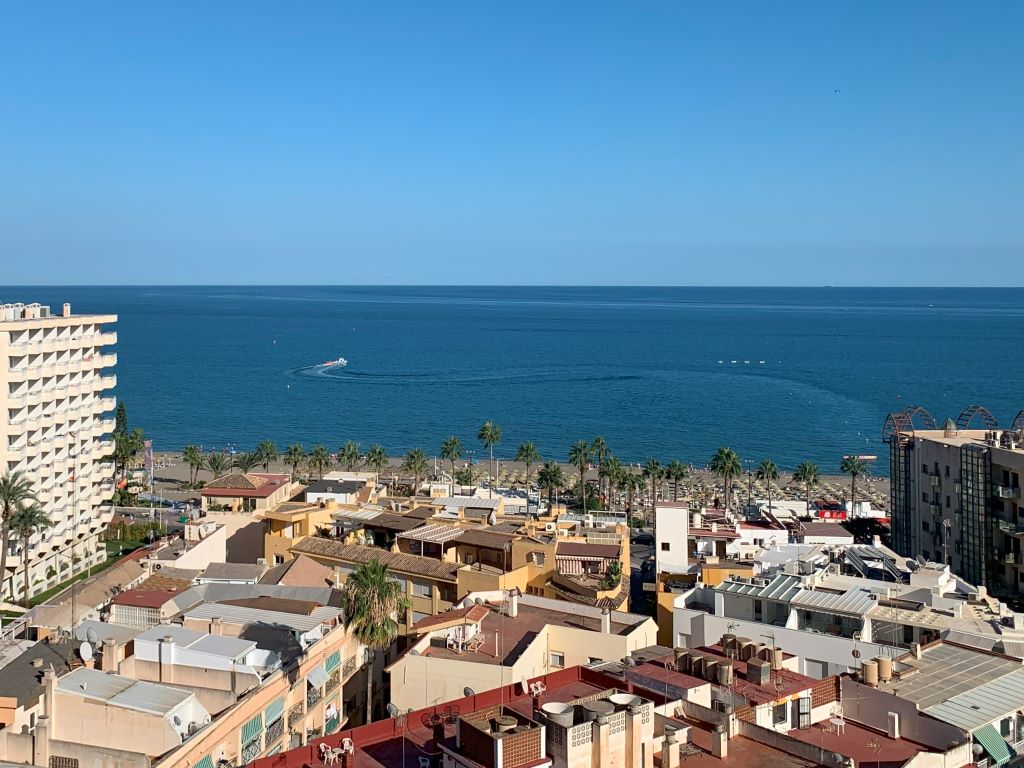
[653, 471]
[807, 474]
[217, 463]
[319, 460]
[246, 462]
[855, 466]
[490, 436]
[630, 483]
[677, 472]
[294, 456]
[451, 451]
[528, 454]
[194, 458]
[15, 492]
[768, 473]
[415, 461]
[126, 447]
[550, 478]
[371, 603]
[27, 519]
[579, 456]
[348, 456]
[610, 471]
[377, 458]
[726, 464]
[267, 453]
[599, 450]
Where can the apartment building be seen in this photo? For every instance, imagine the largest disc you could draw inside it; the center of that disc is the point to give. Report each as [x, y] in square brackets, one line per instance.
[492, 639]
[956, 495]
[244, 671]
[56, 420]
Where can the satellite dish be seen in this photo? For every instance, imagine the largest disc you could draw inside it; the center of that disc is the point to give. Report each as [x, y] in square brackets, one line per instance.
[392, 710]
[177, 720]
[85, 650]
[526, 684]
[467, 691]
[855, 653]
[629, 661]
[91, 636]
[921, 560]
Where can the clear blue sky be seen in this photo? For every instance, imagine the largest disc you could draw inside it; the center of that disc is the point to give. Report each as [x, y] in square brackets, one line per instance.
[519, 142]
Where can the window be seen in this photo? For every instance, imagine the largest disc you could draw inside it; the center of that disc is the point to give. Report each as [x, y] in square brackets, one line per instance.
[758, 610]
[805, 711]
[421, 589]
[947, 502]
[278, 559]
[908, 633]
[594, 660]
[557, 659]
[1004, 727]
[538, 557]
[664, 546]
[947, 470]
[924, 526]
[924, 496]
[924, 469]
[780, 713]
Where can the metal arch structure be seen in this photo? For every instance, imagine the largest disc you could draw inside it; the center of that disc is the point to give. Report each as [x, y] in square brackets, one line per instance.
[902, 422]
[968, 414]
[1018, 421]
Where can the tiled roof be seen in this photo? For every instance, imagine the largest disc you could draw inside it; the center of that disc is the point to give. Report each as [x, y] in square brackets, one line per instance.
[582, 549]
[239, 480]
[144, 598]
[300, 571]
[413, 565]
[233, 571]
[825, 529]
[162, 582]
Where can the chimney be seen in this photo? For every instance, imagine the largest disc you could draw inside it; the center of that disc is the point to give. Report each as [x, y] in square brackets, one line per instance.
[634, 737]
[602, 749]
[894, 725]
[606, 621]
[167, 659]
[216, 626]
[337, 579]
[109, 659]
[720, 742]
[41, 741]
[776, 658]
[513, 603]
[49, 683]
[67, 310]
[670, 750]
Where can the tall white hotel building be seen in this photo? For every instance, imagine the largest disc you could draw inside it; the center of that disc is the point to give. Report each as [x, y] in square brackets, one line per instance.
[56, 427]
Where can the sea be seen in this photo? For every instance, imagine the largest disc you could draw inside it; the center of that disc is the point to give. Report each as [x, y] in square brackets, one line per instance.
[788, 374]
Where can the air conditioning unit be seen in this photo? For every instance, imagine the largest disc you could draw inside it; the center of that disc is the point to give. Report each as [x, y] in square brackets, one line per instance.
[261, 561]
[550, 527]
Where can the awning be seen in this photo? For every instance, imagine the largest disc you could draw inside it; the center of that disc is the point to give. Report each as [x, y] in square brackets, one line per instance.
[206, 762]
[317, 677]
[993, 743]
[252, 730]
[333, 662]
[275, 711]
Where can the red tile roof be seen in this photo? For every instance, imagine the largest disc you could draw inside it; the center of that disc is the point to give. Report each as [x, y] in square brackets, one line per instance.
[145, 598]
[249, 485]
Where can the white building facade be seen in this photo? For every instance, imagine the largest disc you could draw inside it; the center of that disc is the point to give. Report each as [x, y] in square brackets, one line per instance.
[56, 424]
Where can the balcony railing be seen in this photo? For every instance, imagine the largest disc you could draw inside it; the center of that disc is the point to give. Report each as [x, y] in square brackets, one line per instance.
[250, 751]
[1007, 492]
[313, 695]
[296, 715]
[333, 681]
[349, 667]
[275, 730]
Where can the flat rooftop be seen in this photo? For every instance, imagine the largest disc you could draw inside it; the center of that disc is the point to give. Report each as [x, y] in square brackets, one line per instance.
[864, 745]
[505, 638]
[944, 671]
[124, 692]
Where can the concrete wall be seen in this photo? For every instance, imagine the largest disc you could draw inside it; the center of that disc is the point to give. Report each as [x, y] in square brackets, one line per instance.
[871, 707]
[94, 723]
[671, 529]
[244, 535]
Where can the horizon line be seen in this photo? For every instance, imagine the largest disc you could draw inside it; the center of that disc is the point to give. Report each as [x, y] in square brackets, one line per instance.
[518, 285]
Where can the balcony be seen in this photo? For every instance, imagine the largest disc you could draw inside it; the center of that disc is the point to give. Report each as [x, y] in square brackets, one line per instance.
[106, 338]
[275, 730]
[1010, 558]
[313, 695]
[1006, 492]
[296, 715]
[105, 361]
[105, 404]
[108, 382]
[936, 482]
